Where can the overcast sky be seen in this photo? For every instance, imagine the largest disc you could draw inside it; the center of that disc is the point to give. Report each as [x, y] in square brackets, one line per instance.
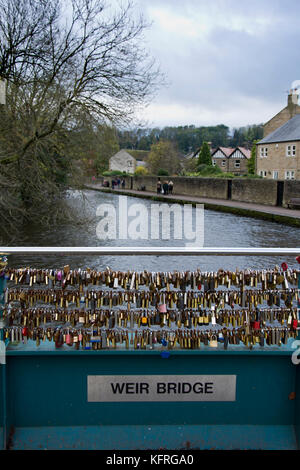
[227, 61]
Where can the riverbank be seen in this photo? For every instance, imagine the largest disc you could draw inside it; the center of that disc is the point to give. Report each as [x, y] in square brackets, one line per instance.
[260, 211]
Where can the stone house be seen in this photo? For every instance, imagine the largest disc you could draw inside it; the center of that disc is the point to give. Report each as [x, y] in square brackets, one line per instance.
[128, 160]
[231, 160]
[122, 161]
[284, 115]
[278, 154]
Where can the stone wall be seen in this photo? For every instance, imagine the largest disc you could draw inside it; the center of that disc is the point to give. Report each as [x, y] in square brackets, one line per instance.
[257, 191]
[187, 186]
[291, 190]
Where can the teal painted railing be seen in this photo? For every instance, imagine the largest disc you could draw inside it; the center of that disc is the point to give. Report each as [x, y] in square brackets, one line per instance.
[44, 392]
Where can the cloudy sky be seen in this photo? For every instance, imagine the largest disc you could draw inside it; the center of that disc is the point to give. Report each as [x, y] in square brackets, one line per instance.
[227, 61]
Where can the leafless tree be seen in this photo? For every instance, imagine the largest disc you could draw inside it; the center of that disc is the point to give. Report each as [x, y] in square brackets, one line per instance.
[62, 58]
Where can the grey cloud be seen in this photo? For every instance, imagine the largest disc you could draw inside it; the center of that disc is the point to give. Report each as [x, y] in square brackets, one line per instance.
[229, 65]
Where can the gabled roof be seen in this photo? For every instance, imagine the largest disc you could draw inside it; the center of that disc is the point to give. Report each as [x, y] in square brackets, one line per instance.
[138, 154]
[290, 131]
[244, 151]
[226, 150]
[123, 154]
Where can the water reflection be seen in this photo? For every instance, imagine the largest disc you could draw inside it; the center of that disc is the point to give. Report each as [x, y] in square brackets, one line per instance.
[221, 229]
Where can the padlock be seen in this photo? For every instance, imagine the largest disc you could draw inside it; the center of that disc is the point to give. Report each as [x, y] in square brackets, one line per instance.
[255, 325]
[162, 308]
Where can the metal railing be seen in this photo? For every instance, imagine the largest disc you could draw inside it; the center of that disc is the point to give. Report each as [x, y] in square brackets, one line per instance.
[141, 251]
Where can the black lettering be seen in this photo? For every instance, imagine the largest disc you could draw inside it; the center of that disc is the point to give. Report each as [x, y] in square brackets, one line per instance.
[198, 387]
[117, 388]
[161, 387]
[171, 387]
[184, 385]
[130, 387]
[144, 387]
[209, 387]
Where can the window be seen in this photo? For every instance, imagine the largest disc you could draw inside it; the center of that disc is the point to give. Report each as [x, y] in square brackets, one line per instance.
[263, 173]
[263, 152]
[214, 162]
[290, 175]
[223, 162]
[129, 162]
[290, 150]
[275, 174]
[237, 163]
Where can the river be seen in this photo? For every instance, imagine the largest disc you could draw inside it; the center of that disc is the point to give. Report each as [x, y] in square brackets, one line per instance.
[220, 230]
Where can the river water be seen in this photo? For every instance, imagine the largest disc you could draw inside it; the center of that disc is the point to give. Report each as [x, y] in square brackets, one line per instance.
[220, 230]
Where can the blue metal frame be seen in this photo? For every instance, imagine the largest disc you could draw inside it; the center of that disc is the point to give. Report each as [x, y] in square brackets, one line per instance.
[44, 401]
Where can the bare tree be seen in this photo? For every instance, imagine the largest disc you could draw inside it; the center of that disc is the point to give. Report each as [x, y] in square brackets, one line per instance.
[62, 58]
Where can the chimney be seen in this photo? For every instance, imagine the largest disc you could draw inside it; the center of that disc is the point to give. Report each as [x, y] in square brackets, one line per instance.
[292, 98]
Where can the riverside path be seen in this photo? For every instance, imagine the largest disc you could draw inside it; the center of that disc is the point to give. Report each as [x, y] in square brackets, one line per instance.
[273, 213]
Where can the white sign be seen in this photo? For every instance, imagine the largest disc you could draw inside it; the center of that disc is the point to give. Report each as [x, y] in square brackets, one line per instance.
[134, 388]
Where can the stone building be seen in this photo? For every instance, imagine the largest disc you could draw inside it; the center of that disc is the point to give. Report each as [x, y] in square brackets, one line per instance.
[278, 154]
[231, 160]
[284, 115]
[128, 160]
[122, 161]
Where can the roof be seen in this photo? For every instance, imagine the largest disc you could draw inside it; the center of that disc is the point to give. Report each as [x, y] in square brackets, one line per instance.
[123, 154]
[138, 154]
[226, 150]
[290, 131]
[244, 151]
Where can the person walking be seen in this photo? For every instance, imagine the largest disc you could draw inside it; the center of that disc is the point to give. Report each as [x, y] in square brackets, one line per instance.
[170, 185]
[166, 188]
[123, 183]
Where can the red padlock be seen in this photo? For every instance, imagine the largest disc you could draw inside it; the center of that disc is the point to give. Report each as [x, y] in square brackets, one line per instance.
[256, 325]
[295, 324]
[298, 259]
[59, 341]
[25, 331]
[284, 266]
[199, 286]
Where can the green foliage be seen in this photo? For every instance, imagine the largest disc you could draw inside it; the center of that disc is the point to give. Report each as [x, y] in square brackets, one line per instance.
[209, 170]
[163, 156]
[162, 172]
[188, 139]
[204, 155]
[114, 173]
[246, 136]
[141, 171]
[251, 162]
